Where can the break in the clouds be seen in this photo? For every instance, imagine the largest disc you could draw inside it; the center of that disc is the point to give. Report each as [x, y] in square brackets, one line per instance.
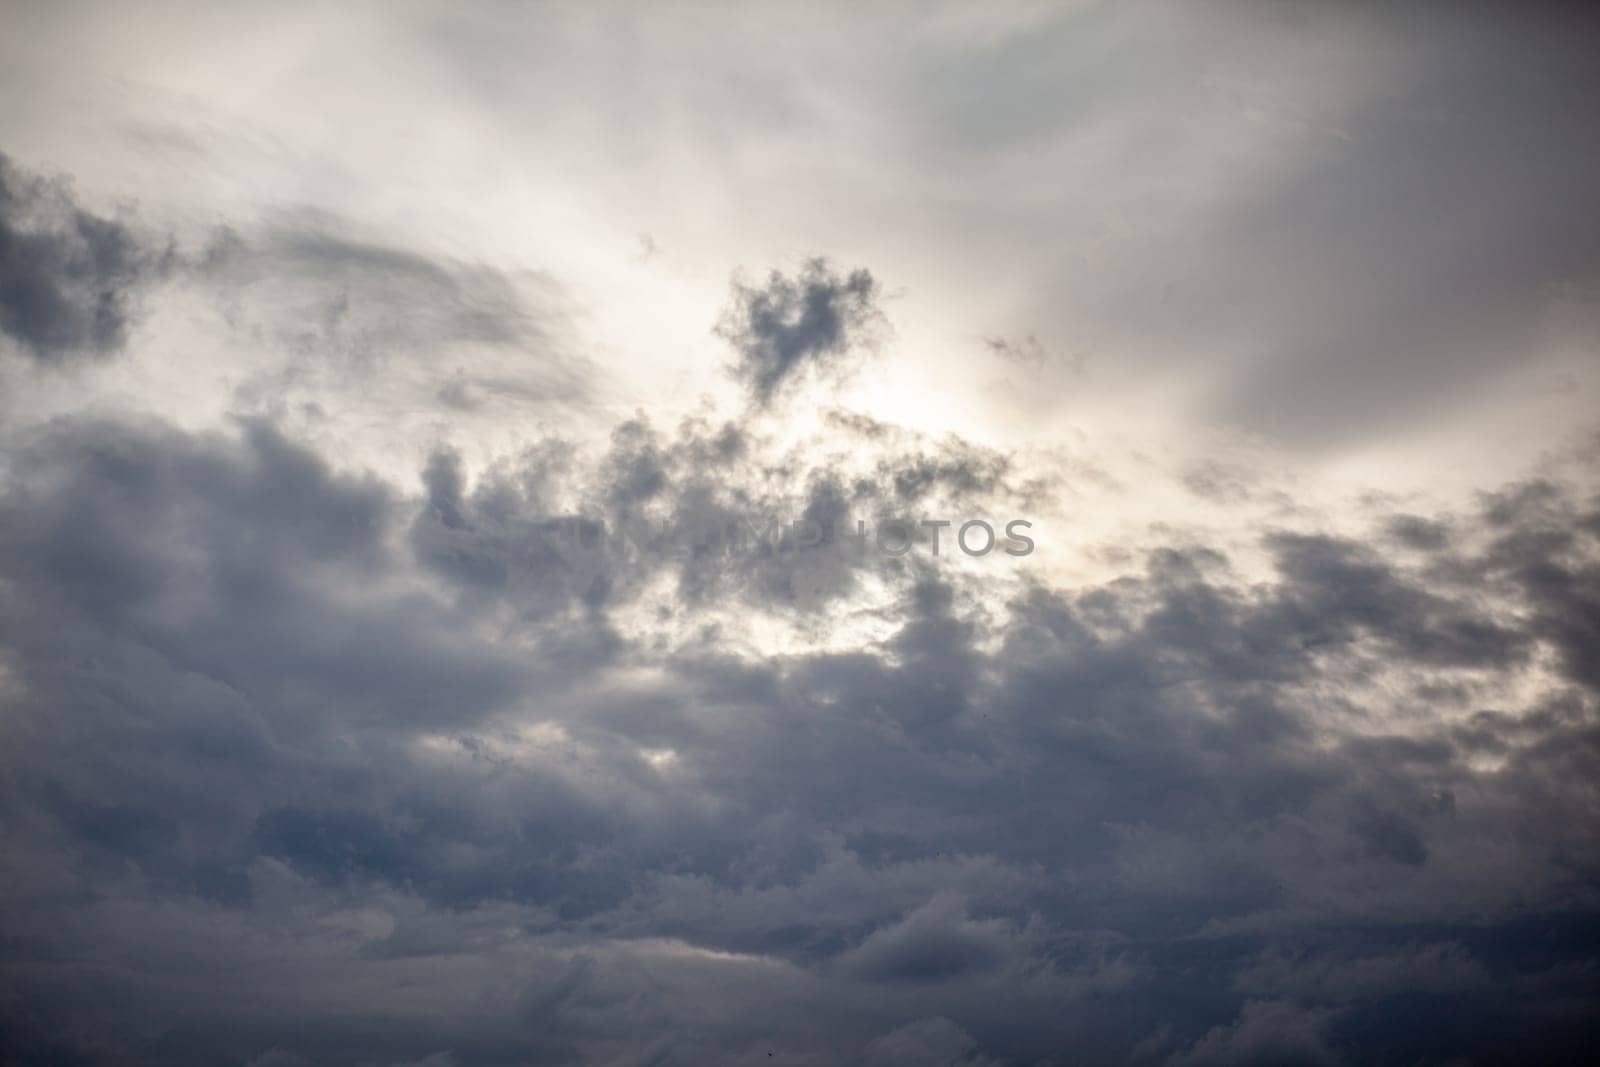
[434, 632]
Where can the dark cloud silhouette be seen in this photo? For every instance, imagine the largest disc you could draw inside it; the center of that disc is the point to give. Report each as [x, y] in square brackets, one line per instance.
[68, 277]
[812, 320]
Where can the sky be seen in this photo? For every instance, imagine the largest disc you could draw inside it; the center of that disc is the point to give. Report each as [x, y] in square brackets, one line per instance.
[895, 534]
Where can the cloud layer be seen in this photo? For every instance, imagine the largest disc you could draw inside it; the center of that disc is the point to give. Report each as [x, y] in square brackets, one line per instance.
[300, 765]
[482, 575]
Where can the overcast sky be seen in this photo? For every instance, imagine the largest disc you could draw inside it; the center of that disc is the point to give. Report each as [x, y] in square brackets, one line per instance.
[456, 470]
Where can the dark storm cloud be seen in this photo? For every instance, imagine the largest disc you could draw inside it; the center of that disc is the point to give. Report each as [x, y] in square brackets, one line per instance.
[68, 277]
[287, 752]
[812, 320]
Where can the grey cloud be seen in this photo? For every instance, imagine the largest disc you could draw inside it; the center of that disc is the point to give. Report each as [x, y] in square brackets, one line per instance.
[812, 320]
[217, 586]
[69, 278]
[505, 539]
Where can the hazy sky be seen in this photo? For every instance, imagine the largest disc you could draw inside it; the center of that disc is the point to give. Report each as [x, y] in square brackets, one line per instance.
[400, 662]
